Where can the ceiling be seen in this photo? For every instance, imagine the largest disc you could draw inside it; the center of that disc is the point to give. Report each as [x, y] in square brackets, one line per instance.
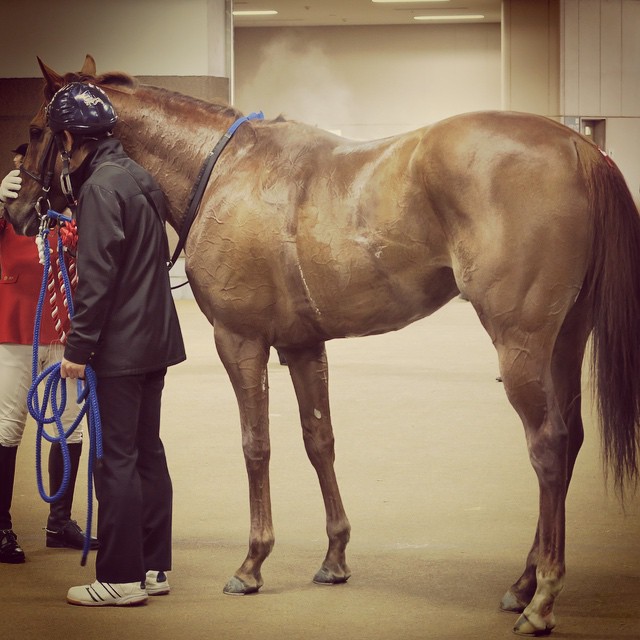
[308, 13]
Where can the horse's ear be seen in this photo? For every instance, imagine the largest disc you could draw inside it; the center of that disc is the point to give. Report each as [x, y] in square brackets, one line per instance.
[89, 66]
[54, 80]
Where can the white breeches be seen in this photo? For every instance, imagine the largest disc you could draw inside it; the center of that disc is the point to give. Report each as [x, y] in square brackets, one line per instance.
[15, 380]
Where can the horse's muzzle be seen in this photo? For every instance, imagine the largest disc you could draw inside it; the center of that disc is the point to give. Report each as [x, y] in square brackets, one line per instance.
[24, 221]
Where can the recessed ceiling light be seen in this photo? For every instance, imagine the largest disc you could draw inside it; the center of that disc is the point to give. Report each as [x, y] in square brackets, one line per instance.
[456, 17]
[405, 1]
[269, 12]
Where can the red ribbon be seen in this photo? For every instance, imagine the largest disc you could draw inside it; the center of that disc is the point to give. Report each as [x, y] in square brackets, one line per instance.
[69, 234]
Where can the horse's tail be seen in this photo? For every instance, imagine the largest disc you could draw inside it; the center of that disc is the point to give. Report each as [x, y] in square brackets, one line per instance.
[613, 287]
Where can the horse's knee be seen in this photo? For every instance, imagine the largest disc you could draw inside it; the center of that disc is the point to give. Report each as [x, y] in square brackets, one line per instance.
[257, 452]
[318, 444]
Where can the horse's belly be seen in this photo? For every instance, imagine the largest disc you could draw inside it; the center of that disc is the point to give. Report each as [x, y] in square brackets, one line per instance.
[358, 302]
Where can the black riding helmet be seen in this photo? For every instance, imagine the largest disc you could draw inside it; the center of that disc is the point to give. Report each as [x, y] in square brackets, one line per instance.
[81, 108]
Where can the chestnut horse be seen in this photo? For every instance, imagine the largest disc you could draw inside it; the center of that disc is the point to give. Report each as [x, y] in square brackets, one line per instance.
[303, 236]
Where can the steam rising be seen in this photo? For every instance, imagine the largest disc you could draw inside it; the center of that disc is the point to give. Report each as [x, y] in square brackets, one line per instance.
[297, 79]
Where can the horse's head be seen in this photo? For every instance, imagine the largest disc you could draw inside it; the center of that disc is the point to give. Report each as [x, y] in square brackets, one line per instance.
[41, 187]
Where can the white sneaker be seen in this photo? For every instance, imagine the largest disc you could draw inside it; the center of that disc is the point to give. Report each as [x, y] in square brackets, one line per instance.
[156, 583]
[104, 594]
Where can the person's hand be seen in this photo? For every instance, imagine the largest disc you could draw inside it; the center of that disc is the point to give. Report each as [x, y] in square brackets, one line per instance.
[10, 186]
[71, 370]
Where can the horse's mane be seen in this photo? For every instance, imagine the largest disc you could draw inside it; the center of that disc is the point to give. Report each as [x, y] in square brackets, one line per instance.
[121, 81]
[116, 79]
[189, 102]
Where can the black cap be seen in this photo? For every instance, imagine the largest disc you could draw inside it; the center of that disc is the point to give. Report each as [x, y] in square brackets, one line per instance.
[21, 149]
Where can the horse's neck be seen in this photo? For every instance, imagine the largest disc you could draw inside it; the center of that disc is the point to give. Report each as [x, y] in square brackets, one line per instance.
[170, 143]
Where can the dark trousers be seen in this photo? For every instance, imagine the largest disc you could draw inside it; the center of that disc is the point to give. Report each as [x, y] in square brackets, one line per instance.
[132, 481]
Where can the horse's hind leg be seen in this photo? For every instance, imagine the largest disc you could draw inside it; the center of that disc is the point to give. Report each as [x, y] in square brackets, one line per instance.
[309, 373]
[567, 361]
[246, 363]
[526, 368]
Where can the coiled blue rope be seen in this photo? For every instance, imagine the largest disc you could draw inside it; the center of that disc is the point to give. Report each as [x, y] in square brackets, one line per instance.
[54, 398]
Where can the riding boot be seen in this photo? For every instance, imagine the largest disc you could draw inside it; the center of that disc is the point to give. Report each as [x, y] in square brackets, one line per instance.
[10, 551]
[62, 531]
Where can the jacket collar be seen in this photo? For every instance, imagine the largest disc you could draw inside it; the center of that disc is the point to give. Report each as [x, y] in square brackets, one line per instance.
[105, 149]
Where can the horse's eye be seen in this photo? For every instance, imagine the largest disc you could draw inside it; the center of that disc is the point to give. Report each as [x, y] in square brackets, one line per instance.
[35, 133]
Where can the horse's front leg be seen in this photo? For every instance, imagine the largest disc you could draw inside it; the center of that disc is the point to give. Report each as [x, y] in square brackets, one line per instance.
[309, 373]
[246, 363]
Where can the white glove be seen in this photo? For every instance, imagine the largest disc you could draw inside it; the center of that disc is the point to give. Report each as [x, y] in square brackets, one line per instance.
[10, 186]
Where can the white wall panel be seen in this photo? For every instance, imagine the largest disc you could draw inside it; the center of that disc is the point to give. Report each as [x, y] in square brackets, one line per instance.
[611, 57]
[600, 71]
[570, 57]
[631, 58]
[601, 57]
[531, 56]
[589, 64]
[623, 142]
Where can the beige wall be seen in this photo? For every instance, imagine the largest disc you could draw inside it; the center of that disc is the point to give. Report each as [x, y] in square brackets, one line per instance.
[554, 57]
[600, 69]
[531, 56]
[368, 82]
[150, 37]
[174, 44]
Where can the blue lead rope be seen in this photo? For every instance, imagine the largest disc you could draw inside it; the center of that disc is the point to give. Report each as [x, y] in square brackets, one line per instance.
[54, 399]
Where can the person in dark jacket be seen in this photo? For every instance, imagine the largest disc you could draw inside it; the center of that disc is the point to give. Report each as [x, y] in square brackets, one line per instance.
[126, 327]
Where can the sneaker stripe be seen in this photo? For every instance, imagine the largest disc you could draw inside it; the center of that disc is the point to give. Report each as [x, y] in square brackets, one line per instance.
[93, 594]
[108, 587]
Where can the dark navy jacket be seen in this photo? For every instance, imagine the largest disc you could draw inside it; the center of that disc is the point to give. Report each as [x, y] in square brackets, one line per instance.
[125, 320]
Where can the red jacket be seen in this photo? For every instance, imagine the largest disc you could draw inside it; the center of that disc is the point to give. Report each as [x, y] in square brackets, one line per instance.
[20, 282]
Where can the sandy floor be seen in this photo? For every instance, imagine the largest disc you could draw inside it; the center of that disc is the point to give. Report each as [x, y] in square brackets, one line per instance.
[436, 481]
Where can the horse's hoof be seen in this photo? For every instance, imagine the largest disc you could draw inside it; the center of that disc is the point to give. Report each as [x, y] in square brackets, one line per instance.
[530, 627]
[511, 603]
[237, 587]
[324, 576]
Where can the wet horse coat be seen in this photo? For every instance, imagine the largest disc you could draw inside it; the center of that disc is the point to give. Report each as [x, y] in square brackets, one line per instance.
[303, 236]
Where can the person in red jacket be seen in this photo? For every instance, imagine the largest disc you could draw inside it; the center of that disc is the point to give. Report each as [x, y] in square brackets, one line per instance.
[20, 282]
